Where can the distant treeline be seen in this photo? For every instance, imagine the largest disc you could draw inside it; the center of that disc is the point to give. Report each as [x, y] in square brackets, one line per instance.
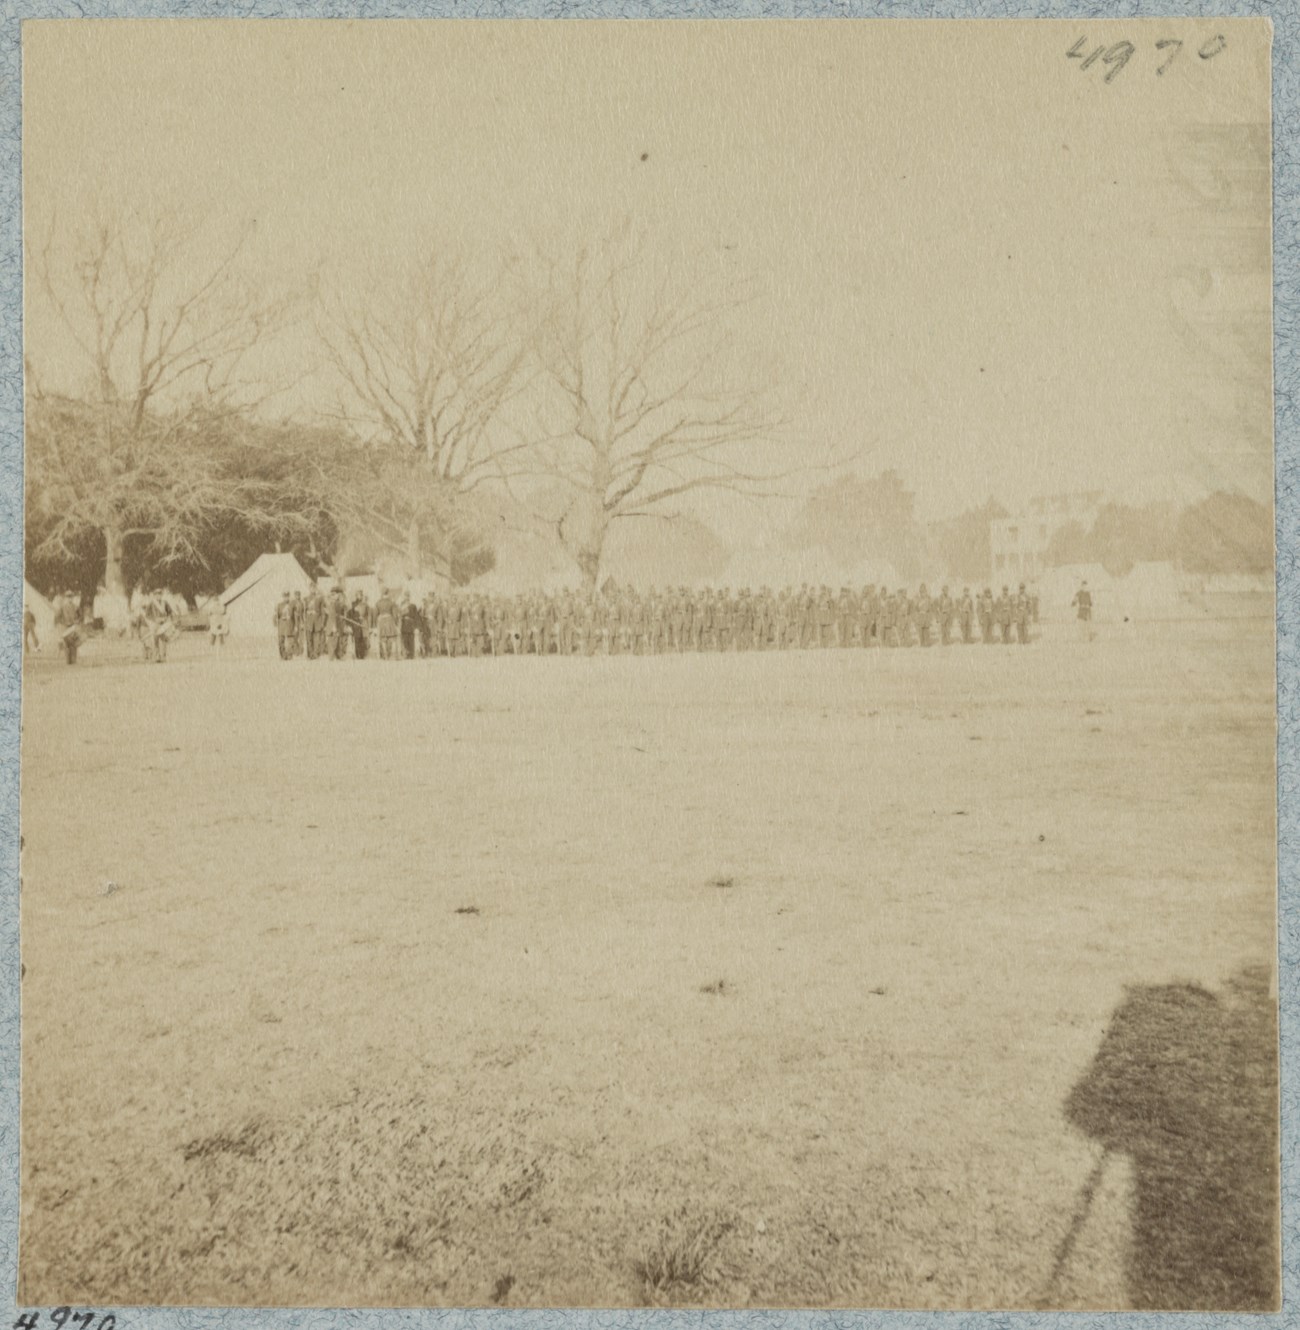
[863, 520]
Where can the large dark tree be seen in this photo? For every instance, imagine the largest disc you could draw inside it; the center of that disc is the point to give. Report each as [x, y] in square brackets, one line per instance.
[223, 490]
[160, 333]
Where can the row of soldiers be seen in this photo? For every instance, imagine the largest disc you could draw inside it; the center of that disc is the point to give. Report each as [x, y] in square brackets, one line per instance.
[626, 622]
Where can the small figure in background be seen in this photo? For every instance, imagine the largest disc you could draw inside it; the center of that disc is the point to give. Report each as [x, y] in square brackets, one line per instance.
[218, 624]
[1083, 604]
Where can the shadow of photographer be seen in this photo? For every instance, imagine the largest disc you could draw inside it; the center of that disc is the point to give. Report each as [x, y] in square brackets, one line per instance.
[1185, 1083]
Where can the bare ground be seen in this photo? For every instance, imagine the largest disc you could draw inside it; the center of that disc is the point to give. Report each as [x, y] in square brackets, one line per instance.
[745, 980]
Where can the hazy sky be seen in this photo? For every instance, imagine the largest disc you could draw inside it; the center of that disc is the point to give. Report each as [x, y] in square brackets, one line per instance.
[976, 261]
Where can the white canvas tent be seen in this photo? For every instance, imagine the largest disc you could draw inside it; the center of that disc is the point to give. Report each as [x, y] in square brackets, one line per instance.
[251, 598]
[1237, 584]
[42, 609]
[1151, 591]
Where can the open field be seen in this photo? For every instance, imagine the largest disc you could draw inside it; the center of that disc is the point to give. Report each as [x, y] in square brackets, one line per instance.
[759, 979]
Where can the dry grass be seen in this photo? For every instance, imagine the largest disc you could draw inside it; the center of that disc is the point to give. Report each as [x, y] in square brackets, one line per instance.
[680, 1259]
[276, 1067]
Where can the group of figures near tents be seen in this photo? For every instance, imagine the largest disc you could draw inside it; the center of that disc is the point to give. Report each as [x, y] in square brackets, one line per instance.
[625, 622]
[63, 622]
[153, 622]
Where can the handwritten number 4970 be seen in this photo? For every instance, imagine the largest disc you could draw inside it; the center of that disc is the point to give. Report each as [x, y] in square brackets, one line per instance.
[64, 1317]
[1117, 56]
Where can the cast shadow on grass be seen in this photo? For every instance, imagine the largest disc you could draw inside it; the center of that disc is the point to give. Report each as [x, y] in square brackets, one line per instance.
[1185, 1083]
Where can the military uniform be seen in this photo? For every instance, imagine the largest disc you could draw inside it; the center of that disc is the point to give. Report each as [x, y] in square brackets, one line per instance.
[359, 624]
[386, 622]
[904, 616]
[1083, 604]
[564, 616]
[1002, 614]
[285, 629]
[68, 627]
[335, 628]
[945, 611]
[966, 616]
[924, 612]
[409, 626]
[1020, 613]
[986, 616]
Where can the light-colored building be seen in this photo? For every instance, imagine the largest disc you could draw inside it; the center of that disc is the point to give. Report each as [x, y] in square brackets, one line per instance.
[1019, 544]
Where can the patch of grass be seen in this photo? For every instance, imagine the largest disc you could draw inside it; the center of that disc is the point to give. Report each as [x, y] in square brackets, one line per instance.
[680, 1257]
[722, 880]
[501, 1289]
[468, 909]
[244, 1143]
[718, 988]
[905, 1188]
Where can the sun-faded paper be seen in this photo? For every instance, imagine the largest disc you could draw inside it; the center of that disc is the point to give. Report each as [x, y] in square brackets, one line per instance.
[715, 902]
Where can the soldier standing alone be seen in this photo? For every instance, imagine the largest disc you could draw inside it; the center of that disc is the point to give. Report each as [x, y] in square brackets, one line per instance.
[1083, 603]
[218, 624]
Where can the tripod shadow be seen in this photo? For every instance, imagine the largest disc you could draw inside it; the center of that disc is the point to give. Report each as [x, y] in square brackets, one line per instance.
[1185, 1082]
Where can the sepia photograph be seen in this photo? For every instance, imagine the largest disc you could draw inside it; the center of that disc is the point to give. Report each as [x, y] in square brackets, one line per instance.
[648, 670]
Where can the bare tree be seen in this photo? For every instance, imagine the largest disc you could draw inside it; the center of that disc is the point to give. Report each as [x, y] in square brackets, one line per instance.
[427, 360]
[380, 493]
[158, 329]
[646, 399]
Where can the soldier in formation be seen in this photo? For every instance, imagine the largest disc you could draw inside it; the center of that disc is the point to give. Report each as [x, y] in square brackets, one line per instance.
[623, 621]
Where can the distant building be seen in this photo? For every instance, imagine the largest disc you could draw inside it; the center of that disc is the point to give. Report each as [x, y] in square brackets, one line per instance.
[1019, 544]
